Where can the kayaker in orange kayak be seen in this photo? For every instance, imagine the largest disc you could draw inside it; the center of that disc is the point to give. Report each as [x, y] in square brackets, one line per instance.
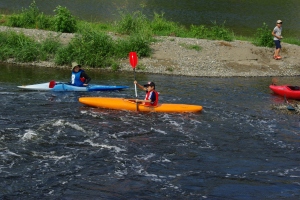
[151, 98]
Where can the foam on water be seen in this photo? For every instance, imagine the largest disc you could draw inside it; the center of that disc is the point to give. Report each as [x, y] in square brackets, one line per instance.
[104, 146]
[48, 156]
[29, 135]
[159, 131]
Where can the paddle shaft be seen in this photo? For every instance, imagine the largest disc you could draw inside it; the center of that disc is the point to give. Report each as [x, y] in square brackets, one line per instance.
[136, 103]
[133, 61]
[135, 84]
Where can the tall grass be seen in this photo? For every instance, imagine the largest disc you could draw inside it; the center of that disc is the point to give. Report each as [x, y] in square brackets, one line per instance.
[134, 24]
[62, 21]
[26, 49]
[263, 36]
[30, 18]
[97, 49]
[160, 26]
[135, 42]
[292, 41]
[89, 48]
[215, 32]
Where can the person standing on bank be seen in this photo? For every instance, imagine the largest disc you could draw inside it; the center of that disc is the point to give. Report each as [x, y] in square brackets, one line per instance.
[277, 36]
[79, 77]
[151, 98]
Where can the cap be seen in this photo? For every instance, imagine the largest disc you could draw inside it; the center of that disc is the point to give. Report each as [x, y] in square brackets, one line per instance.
[150, 84]
[279, 21]
[74, 64]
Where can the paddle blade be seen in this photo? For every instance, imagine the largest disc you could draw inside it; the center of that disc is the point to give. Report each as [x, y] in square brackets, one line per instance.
[133, 59]
[52, 84]
[289, 107]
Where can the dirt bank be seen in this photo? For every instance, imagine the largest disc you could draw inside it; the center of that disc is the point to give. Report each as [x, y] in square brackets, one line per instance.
[215, 59]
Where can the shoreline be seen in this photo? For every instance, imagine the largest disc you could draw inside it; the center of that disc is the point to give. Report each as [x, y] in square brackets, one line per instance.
[170, 56]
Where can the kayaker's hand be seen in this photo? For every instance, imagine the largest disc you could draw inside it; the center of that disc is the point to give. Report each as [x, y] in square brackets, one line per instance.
[135, 82]
[85, 84]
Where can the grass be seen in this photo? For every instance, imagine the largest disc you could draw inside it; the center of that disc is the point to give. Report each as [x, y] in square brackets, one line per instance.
[191, 46]
[292, 41]
[26, 49]
[93, 44]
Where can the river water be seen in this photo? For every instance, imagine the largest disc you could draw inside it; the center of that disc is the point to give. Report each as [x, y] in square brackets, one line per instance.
[242, 16]
[238, 147]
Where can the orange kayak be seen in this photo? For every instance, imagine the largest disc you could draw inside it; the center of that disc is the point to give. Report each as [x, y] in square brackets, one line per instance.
[129, 104]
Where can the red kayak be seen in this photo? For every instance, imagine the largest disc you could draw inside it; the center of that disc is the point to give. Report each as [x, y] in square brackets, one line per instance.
[288, 91]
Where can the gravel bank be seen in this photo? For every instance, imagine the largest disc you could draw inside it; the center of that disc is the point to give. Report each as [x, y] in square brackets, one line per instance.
[215, 59]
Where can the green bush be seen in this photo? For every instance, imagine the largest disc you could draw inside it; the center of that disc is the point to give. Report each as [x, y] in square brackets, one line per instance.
[26, 49]
[26, 18]
[136, 43]
[219, 32]
[161, 26]
[132, 23]
[126, 25]
[97, 49]
[89, 48]
[63, 20]
[15, 20]
[21, 47]
[263, 37]
[30, 18]
[44, 22]
[215, 32]
[198, 31]
[64, 55]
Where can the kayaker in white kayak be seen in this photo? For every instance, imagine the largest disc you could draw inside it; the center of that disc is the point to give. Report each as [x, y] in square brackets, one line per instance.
[79, 77]
[151, 98]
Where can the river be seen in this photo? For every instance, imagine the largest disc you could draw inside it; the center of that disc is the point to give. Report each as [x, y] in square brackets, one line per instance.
[238, 147]
[241, 16]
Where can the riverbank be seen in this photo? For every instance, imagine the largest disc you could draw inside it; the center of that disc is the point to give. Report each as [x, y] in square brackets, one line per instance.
[170, 55]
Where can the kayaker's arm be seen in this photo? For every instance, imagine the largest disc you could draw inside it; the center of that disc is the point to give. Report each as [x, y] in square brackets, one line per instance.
[140, 86]
[87, 78]
[151, 100]
[142, 101]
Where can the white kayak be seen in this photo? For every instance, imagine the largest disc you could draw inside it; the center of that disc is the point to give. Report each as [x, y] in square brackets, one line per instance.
[63, 87]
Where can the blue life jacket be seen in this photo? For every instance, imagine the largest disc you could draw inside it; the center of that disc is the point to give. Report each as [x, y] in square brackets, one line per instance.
[75, 78]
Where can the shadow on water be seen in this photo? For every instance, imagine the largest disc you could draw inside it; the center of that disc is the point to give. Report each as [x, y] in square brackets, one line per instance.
[51, 146]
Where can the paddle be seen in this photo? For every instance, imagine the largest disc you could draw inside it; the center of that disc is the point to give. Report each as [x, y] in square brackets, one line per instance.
[133, 61]
[52, 84]
[289, 107]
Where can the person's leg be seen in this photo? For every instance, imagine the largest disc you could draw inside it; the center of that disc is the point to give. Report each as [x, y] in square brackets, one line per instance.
[277, 49]
[278, 52]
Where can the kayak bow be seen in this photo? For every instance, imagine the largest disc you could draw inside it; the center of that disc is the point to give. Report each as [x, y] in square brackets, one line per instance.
[287, 91]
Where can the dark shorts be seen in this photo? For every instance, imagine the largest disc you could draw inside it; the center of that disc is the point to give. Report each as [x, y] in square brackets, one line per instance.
[277, 44]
